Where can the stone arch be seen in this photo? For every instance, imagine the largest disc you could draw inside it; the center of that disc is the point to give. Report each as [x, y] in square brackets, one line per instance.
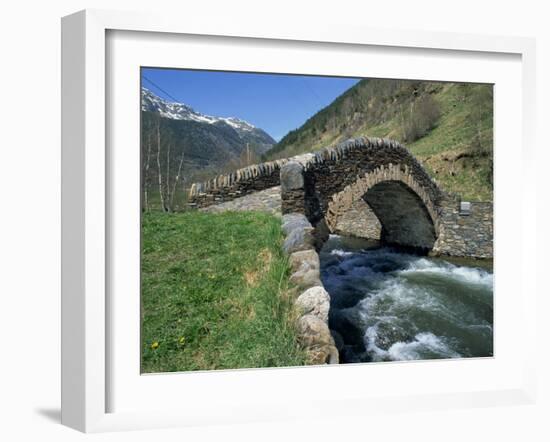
[405, 211]
[381, 172]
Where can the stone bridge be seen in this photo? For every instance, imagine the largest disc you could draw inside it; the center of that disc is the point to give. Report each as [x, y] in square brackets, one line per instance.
[379, 176]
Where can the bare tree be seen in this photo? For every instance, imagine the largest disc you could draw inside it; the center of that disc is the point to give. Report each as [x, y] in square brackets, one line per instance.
[161, 193]
[176, 180]
[167, 208]
[146, 176]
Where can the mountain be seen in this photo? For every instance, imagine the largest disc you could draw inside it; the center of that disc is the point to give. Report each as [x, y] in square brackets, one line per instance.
[447, 126]
[259, 140]
[180, 146]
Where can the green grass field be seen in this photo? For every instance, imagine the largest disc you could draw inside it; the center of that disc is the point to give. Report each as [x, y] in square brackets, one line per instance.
[214, 293]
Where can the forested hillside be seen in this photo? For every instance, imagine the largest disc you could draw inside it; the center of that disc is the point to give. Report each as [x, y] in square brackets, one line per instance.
[448, 126]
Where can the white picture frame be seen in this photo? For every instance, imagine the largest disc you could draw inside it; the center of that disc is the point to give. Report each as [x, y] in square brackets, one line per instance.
[86, 315]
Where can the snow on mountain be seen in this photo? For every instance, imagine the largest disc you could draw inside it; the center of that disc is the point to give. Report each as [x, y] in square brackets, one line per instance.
[179, 111]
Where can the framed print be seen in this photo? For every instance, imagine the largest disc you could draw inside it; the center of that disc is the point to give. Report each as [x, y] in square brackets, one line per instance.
[256, 220]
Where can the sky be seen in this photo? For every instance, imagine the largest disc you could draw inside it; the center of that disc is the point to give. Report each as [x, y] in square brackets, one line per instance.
[276, 103]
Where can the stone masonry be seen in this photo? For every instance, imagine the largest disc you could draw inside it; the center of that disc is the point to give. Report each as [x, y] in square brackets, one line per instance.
[245, 181]
[367, 187]
[468, 235]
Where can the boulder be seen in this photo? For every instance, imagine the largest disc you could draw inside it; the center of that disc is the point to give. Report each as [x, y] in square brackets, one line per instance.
[327, 354]
[292, 177]
[304, 260]
[292, 221]
[299, 239]
[305, 280]
[305, 267]
[334, 355]
[313, 332]
[314, 301]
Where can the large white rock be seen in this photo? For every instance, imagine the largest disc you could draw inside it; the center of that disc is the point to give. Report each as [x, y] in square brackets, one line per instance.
[292, 176]
[314, 301]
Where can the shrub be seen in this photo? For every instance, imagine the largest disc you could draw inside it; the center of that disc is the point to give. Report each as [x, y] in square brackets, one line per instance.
[420, 119]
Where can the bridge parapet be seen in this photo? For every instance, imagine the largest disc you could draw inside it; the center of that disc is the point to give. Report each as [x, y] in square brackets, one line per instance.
[341, 158]
[236, 184]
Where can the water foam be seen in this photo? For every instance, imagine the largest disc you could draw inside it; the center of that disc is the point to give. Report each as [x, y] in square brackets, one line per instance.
[403, 317]
[339, 252]
[424, 345]
[469, 275]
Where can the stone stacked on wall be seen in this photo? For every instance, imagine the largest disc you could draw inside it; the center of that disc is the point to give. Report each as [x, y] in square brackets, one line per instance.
[313, 302]
[469, 235]
[228, 187]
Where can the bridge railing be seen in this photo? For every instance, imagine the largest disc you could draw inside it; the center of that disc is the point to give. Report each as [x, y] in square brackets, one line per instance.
[265, 175]
[233, 185]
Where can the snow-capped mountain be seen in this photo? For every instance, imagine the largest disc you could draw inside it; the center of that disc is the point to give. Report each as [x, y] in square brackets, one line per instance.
[179, 111]
[208, 145]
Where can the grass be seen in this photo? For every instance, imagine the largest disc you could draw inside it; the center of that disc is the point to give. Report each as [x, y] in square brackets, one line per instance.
[453, 135]
[215, 293]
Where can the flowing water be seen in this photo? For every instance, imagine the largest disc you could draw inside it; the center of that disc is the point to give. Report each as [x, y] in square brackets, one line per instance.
[390, 306]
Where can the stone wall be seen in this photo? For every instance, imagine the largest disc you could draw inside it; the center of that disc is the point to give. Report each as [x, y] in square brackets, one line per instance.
[359, 221]
[465, 235]
[234, 185]
[312, 301]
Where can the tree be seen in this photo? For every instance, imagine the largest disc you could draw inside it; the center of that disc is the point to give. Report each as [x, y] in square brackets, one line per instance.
[176, 180]
[419, 119]
[159, 169]
[146, 174]
[167, 207]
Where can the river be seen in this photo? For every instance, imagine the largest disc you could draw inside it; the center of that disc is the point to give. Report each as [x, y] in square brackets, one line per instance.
[387, 305]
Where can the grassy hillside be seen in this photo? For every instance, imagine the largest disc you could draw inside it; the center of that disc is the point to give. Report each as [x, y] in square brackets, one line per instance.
[447, 126]
[214, 293]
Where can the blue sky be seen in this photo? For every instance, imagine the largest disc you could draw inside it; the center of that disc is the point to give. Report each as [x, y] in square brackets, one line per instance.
[274, 102]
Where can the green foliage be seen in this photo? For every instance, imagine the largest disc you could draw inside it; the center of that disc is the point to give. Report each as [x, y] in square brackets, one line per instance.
[447, 126]
[214, 293]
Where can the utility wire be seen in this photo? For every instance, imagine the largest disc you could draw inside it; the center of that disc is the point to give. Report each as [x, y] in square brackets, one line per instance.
[314, 94]
[160, 89]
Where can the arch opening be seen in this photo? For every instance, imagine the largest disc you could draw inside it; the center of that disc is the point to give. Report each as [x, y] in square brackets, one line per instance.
[405, 219]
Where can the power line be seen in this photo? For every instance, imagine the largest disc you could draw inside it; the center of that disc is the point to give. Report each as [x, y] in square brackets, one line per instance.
[316, 96]
[160, 89]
